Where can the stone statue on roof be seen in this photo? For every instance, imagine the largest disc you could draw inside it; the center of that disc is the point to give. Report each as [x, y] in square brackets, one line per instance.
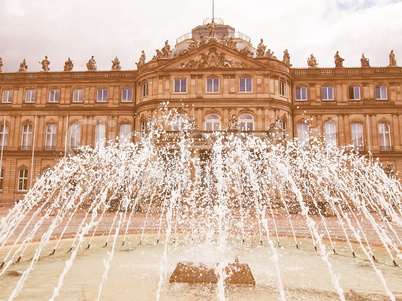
[116, 65]
[364, 61]
[142, 59]
[392, 60]
[166, 49]
[23, 66]
[261, 48]
[211, 29]
[312, 61]
[68, 65]
[91, 65]
[286, 57]
[45, 64]
[338, 60]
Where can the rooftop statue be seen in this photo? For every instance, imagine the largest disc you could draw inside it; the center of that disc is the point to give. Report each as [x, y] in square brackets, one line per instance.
[338, 60]
[45, 64]
[91, 65]
[116, 65]
[1, 64]
[166, 50]
[261, 48]
[269, 53]
[312, 61]
[392, 60]
[211, 29]
[203, 41]
[68, 65]
[364, 61]
[142, 59]
[286, 58]
[23, 66]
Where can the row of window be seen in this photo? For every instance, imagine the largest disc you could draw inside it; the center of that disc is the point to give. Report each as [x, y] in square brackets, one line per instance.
[78, 95]
[384, 130]
[354, 93]
[22, 179]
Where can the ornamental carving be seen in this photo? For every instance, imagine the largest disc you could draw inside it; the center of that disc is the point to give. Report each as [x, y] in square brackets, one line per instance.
[212, 59]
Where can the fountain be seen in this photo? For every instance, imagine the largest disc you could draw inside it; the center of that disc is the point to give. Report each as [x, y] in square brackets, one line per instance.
[319, 223]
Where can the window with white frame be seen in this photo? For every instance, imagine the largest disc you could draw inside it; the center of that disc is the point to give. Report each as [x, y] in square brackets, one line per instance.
[212, 85]
[144, 90]
[246, 122]
[3, 136]
[54, 95]
[330, 134]
[50, 142]
[1, 178]
[30, 96]
[381, 92]
[126, 95]
[301, 93]
[75, 135]
[212, 122]
[7, 96]
[180, 85]
[327, 93]
[246, 84]
[357, 136]
[179, 122]
[303, 134]
[282, 88]
[282, 125]
[26, 139]
[143, 126]
[100, 134]
[102, 95]
[354, 93]
[22, 179]
[78, 95]
[125, 134]
[384, 130]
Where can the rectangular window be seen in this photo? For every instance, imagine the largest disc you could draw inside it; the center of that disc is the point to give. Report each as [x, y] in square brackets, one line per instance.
[54, 95]
[282, 88]
[7, 96]
[144, 90]
[180, 85]
[303, 134]
[125, 134]
[3, 136]
[327, 93]
[30, 96]
[75, 136]
[381, 92]
[330, 134]
[354, 93]
[126, 95]
[384, 130]
[301, 93]
[357, 136]
[1, 179]
[22, 179]
[78, 95]
[50, 143]
[26, 138]
[246, 85]
[212, 85]
[102, 95]
[100, 134]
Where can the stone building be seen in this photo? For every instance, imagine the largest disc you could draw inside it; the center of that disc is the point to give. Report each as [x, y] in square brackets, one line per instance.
[214, 76]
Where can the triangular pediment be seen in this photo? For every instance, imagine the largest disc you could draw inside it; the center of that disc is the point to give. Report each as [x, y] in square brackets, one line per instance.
[212, 55]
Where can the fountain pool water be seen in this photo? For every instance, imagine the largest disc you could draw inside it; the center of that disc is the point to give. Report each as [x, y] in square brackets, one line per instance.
[114, 221]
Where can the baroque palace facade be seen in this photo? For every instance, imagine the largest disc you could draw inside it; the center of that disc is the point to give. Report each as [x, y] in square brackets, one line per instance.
[213, 76]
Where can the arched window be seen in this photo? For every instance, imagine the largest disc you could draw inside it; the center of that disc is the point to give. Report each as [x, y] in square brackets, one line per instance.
[330, 134]
[143, 126]
[212, 122]
[26, 139]
[246, 122]
[384, 129]
[125, 134]
[100, 134]
[3, 136]
[303, 134]
[22, 179]
[75, 135]
[357, 136]
[178, 123]
[282, 128]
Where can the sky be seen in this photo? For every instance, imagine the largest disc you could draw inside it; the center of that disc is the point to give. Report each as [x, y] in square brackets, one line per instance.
[31, 29]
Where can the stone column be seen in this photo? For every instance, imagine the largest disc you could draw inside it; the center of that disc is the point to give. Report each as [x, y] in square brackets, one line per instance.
[396, 139]
[341, 126]
[346, 132]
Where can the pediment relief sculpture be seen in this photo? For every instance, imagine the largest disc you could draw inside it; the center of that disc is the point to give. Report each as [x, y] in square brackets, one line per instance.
[212, 59]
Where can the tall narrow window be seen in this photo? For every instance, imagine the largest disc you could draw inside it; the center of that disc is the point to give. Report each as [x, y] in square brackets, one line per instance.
[75, 136]
[246, 85]
[212, 122]
[327, 93]
[3, 136]
[179, 122]
[78, 95]
[1, 178]
[26, 139]
[330, 134]
[7, 96]
[144, 90]
[212, 85]
[54, 95]
[50, 143]
[30, 96]
[381, 92]
[354, 93]
[100, 134]
[301, 93]
[126, 95]
[102, 95]
[22, 179]
[357, 136]
[180, 85]
[246, 122]
[125, 134]
[384, 130]
[282, 88]
[303, 134]
[144, 126]
[282, 124]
